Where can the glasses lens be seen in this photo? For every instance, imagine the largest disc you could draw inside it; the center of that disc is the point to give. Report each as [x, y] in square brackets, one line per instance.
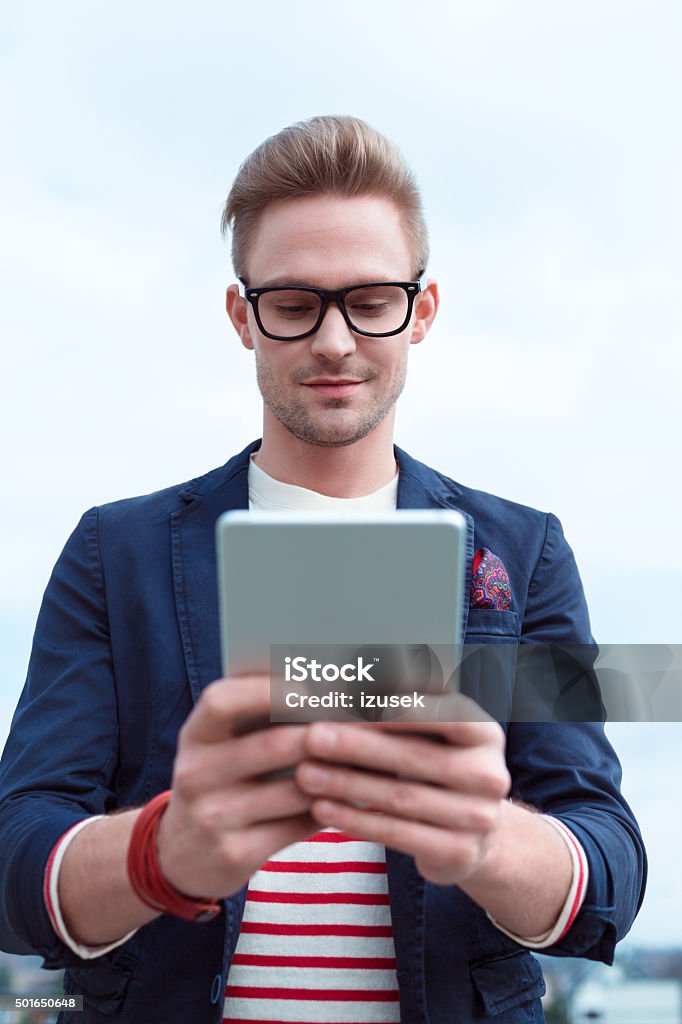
[289, 312]
[378, 309]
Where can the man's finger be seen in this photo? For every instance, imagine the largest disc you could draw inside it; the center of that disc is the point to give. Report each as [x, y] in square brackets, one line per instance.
[206, 767]
[250, 804]
[223, 703]
[448, 853]
[473, 769]
[400, 797]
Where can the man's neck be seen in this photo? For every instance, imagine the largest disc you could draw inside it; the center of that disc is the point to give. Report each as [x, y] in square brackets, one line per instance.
[346, 471]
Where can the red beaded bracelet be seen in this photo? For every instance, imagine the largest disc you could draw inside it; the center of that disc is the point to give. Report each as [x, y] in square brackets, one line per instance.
[146, 877]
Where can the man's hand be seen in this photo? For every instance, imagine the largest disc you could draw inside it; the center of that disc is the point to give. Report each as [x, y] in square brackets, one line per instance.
[440, 787]
[224, 818]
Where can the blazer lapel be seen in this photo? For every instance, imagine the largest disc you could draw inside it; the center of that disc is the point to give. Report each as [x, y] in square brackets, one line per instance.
[419, 486]
[194, 564]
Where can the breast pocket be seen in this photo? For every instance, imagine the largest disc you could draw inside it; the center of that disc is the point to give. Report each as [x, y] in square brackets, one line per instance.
[487, 625]
[489, 655]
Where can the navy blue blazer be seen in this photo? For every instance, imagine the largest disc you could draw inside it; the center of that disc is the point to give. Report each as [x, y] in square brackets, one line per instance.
[127, 637]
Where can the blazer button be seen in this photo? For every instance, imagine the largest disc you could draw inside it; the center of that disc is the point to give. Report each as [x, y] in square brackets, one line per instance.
[216, 988]
[403, 977]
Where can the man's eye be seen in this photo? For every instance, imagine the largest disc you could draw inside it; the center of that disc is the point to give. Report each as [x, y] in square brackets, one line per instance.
[370, 308]
[291, 310]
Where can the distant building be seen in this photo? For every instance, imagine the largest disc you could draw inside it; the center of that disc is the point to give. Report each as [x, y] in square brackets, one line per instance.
[611, 998]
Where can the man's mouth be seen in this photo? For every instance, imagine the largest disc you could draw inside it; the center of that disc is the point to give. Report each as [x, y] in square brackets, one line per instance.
[334, 387]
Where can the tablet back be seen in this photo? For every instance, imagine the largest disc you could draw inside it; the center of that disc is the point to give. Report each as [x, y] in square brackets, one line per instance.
[361, 579]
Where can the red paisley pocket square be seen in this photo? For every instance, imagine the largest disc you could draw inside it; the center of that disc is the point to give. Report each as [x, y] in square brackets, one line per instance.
[489, 582]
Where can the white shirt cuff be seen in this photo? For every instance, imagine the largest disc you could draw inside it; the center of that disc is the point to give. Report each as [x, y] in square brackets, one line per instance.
[51, 895]
[574, 899]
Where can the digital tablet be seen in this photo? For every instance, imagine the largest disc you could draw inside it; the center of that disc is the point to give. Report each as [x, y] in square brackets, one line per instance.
[292, 581]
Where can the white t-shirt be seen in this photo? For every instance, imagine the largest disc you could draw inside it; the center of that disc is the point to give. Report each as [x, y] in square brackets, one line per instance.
[266, 493]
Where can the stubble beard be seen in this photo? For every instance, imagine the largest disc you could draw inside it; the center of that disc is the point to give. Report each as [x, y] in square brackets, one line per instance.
[326, 430]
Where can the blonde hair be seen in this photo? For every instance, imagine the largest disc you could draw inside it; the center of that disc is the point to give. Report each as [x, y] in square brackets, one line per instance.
[333, 155]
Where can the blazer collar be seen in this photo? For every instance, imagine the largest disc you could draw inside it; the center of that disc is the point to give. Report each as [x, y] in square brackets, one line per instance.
[193, 548]
[419, 486]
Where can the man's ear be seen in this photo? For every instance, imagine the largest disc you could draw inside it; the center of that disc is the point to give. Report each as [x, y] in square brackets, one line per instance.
[426, 307]
[237, 309]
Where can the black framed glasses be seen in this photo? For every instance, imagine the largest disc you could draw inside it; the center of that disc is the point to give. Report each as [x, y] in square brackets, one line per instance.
[290, 312]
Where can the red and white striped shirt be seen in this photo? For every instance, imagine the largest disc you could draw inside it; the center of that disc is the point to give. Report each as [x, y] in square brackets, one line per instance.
[316, 941]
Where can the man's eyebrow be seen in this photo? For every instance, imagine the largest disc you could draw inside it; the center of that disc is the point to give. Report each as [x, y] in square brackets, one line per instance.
[281, 281]
[277, 282]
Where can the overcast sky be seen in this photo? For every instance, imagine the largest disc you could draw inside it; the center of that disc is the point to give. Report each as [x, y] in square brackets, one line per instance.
[546, 138]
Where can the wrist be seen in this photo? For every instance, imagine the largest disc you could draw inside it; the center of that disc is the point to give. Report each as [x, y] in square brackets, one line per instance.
[523, 881]
[493, 850]
[148, 881]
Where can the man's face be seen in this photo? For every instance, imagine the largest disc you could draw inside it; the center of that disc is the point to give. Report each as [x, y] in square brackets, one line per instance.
[333, 387]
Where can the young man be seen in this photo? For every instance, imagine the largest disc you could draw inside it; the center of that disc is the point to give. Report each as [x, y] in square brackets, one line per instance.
[313, 908]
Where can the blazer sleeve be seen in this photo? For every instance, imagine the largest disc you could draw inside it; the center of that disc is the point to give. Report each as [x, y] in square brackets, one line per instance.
[59, 761]
[570, 770]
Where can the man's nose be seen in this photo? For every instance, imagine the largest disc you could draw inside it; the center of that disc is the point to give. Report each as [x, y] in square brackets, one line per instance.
[333, 339]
